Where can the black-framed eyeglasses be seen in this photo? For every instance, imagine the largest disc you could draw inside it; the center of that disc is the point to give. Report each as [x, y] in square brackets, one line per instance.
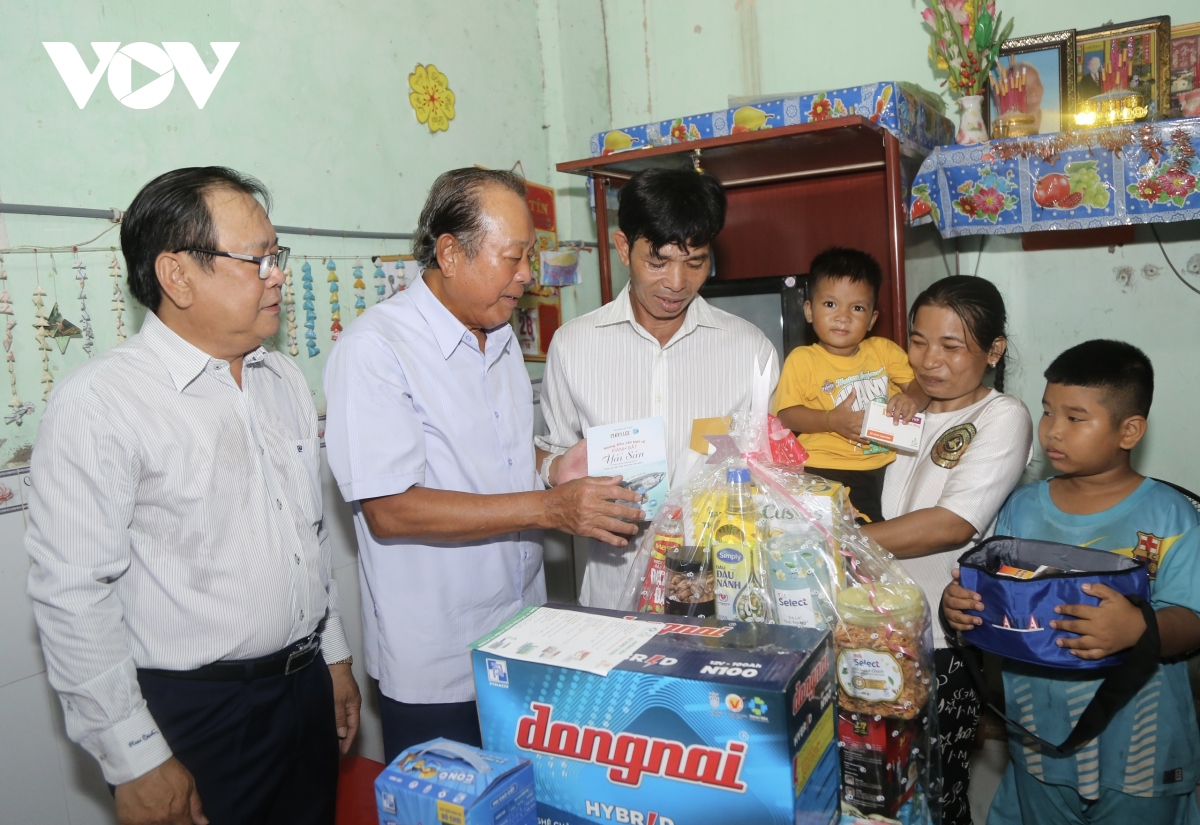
[265, 262]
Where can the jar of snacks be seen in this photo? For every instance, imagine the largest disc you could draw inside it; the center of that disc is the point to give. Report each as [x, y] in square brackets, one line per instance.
[877, 642]
[691, 586]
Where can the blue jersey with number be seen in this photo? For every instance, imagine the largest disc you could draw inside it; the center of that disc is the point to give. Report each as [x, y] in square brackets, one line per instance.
[1151, 746]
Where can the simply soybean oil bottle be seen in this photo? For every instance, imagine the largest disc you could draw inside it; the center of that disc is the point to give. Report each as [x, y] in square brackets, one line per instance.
[733, 541]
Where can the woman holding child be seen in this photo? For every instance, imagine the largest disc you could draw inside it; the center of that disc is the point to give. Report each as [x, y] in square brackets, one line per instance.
[975, 444]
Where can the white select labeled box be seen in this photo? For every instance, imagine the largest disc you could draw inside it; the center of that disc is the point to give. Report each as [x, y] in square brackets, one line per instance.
[878, 426]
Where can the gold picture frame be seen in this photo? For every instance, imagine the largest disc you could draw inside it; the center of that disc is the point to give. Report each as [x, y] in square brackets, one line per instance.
[1185, 70]
[1149, 41]
[1048, 61]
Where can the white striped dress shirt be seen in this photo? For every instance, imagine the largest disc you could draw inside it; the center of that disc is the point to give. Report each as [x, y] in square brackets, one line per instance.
[174, 521]
[604, 368]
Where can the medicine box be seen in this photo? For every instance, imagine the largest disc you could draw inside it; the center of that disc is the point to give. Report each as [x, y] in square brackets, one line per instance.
[878, 427]
[707, 721]
[447, 782]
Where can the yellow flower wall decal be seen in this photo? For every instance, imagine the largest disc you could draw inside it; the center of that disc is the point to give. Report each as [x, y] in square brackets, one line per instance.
[431, 97]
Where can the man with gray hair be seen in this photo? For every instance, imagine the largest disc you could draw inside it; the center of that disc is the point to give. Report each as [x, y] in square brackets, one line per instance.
[429, 433]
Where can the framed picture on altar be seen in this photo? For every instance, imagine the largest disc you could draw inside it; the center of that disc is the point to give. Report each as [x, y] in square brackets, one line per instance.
[1134, 57]
[1033, 85]
[1185, 70]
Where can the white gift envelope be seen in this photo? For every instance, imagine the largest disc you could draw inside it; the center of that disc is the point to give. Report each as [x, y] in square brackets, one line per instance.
[878, 427]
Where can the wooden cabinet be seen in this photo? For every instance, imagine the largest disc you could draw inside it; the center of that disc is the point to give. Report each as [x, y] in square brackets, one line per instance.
[792, 191]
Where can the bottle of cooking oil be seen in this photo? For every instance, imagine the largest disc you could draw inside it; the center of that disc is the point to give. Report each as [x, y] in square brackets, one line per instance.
[733, 541]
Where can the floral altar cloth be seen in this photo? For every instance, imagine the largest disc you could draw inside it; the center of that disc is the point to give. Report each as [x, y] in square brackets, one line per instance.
[1145, 173]
[918, 125]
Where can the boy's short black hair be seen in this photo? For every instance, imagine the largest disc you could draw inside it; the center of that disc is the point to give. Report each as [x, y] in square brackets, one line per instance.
[853, 264]
[1122, 370]
[671, 206]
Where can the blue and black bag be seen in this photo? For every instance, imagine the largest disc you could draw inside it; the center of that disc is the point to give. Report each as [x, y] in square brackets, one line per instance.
[1018, 611]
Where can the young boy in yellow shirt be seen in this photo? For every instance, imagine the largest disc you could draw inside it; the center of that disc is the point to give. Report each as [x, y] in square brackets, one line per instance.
[824, 388]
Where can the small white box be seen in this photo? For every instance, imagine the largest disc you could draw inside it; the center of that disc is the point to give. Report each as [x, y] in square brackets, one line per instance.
[878, 427]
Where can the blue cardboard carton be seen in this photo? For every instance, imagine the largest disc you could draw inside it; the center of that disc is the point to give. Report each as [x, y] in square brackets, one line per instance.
[447, 782]
[703, 721]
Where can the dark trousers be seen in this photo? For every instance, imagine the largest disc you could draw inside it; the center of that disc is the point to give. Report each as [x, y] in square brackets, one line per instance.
[405, 724]
[263, 752]
[866, 488]
[958, 721]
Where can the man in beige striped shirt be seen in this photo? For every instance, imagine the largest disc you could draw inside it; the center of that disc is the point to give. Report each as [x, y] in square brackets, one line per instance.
[658, 349]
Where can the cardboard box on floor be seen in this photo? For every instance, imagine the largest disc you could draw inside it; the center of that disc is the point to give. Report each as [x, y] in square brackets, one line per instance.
[442, 781]
[705, 721]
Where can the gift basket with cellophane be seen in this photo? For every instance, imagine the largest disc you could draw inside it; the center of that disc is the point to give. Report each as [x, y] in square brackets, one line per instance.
[750, 537]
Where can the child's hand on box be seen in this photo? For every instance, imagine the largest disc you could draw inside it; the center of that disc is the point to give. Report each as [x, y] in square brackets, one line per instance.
[955, 600]
[1112, 626]
[902, 407]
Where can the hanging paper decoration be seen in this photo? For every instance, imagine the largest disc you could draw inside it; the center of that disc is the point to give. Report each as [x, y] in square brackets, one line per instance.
[360, 289]
[61, 330]
[20, 409]
[85, 320]
[380, 280]
[58, 327]
[310, 313]
[431, 97]
[335, 308]
[118, 298]
[289, 304]
[42, 324]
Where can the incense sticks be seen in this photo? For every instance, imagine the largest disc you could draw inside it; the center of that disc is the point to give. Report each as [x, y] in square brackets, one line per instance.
[1008, 87]
[1118, 69]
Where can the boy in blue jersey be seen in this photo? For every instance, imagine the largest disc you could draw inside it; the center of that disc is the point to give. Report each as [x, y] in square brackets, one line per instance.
[1144, 766]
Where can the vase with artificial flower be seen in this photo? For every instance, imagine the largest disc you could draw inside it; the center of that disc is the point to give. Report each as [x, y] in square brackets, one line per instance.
[966, 39]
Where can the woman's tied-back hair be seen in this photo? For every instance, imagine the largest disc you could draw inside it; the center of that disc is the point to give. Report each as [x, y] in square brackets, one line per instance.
[979, 305]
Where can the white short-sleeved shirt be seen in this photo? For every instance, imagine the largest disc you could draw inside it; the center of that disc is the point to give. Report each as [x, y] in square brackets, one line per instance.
[604, 368]
[411, 400]
[968, 463]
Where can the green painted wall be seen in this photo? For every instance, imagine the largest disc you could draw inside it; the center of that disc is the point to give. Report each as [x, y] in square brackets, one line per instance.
[675, 57]
[314, 102]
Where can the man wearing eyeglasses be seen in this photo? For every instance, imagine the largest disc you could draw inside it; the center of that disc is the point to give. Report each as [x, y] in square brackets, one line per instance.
[180, 571]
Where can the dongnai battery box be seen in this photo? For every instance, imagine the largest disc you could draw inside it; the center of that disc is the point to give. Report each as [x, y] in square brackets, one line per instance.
[637, 719]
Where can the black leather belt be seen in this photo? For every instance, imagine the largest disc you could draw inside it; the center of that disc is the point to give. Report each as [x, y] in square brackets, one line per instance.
[292, 659]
